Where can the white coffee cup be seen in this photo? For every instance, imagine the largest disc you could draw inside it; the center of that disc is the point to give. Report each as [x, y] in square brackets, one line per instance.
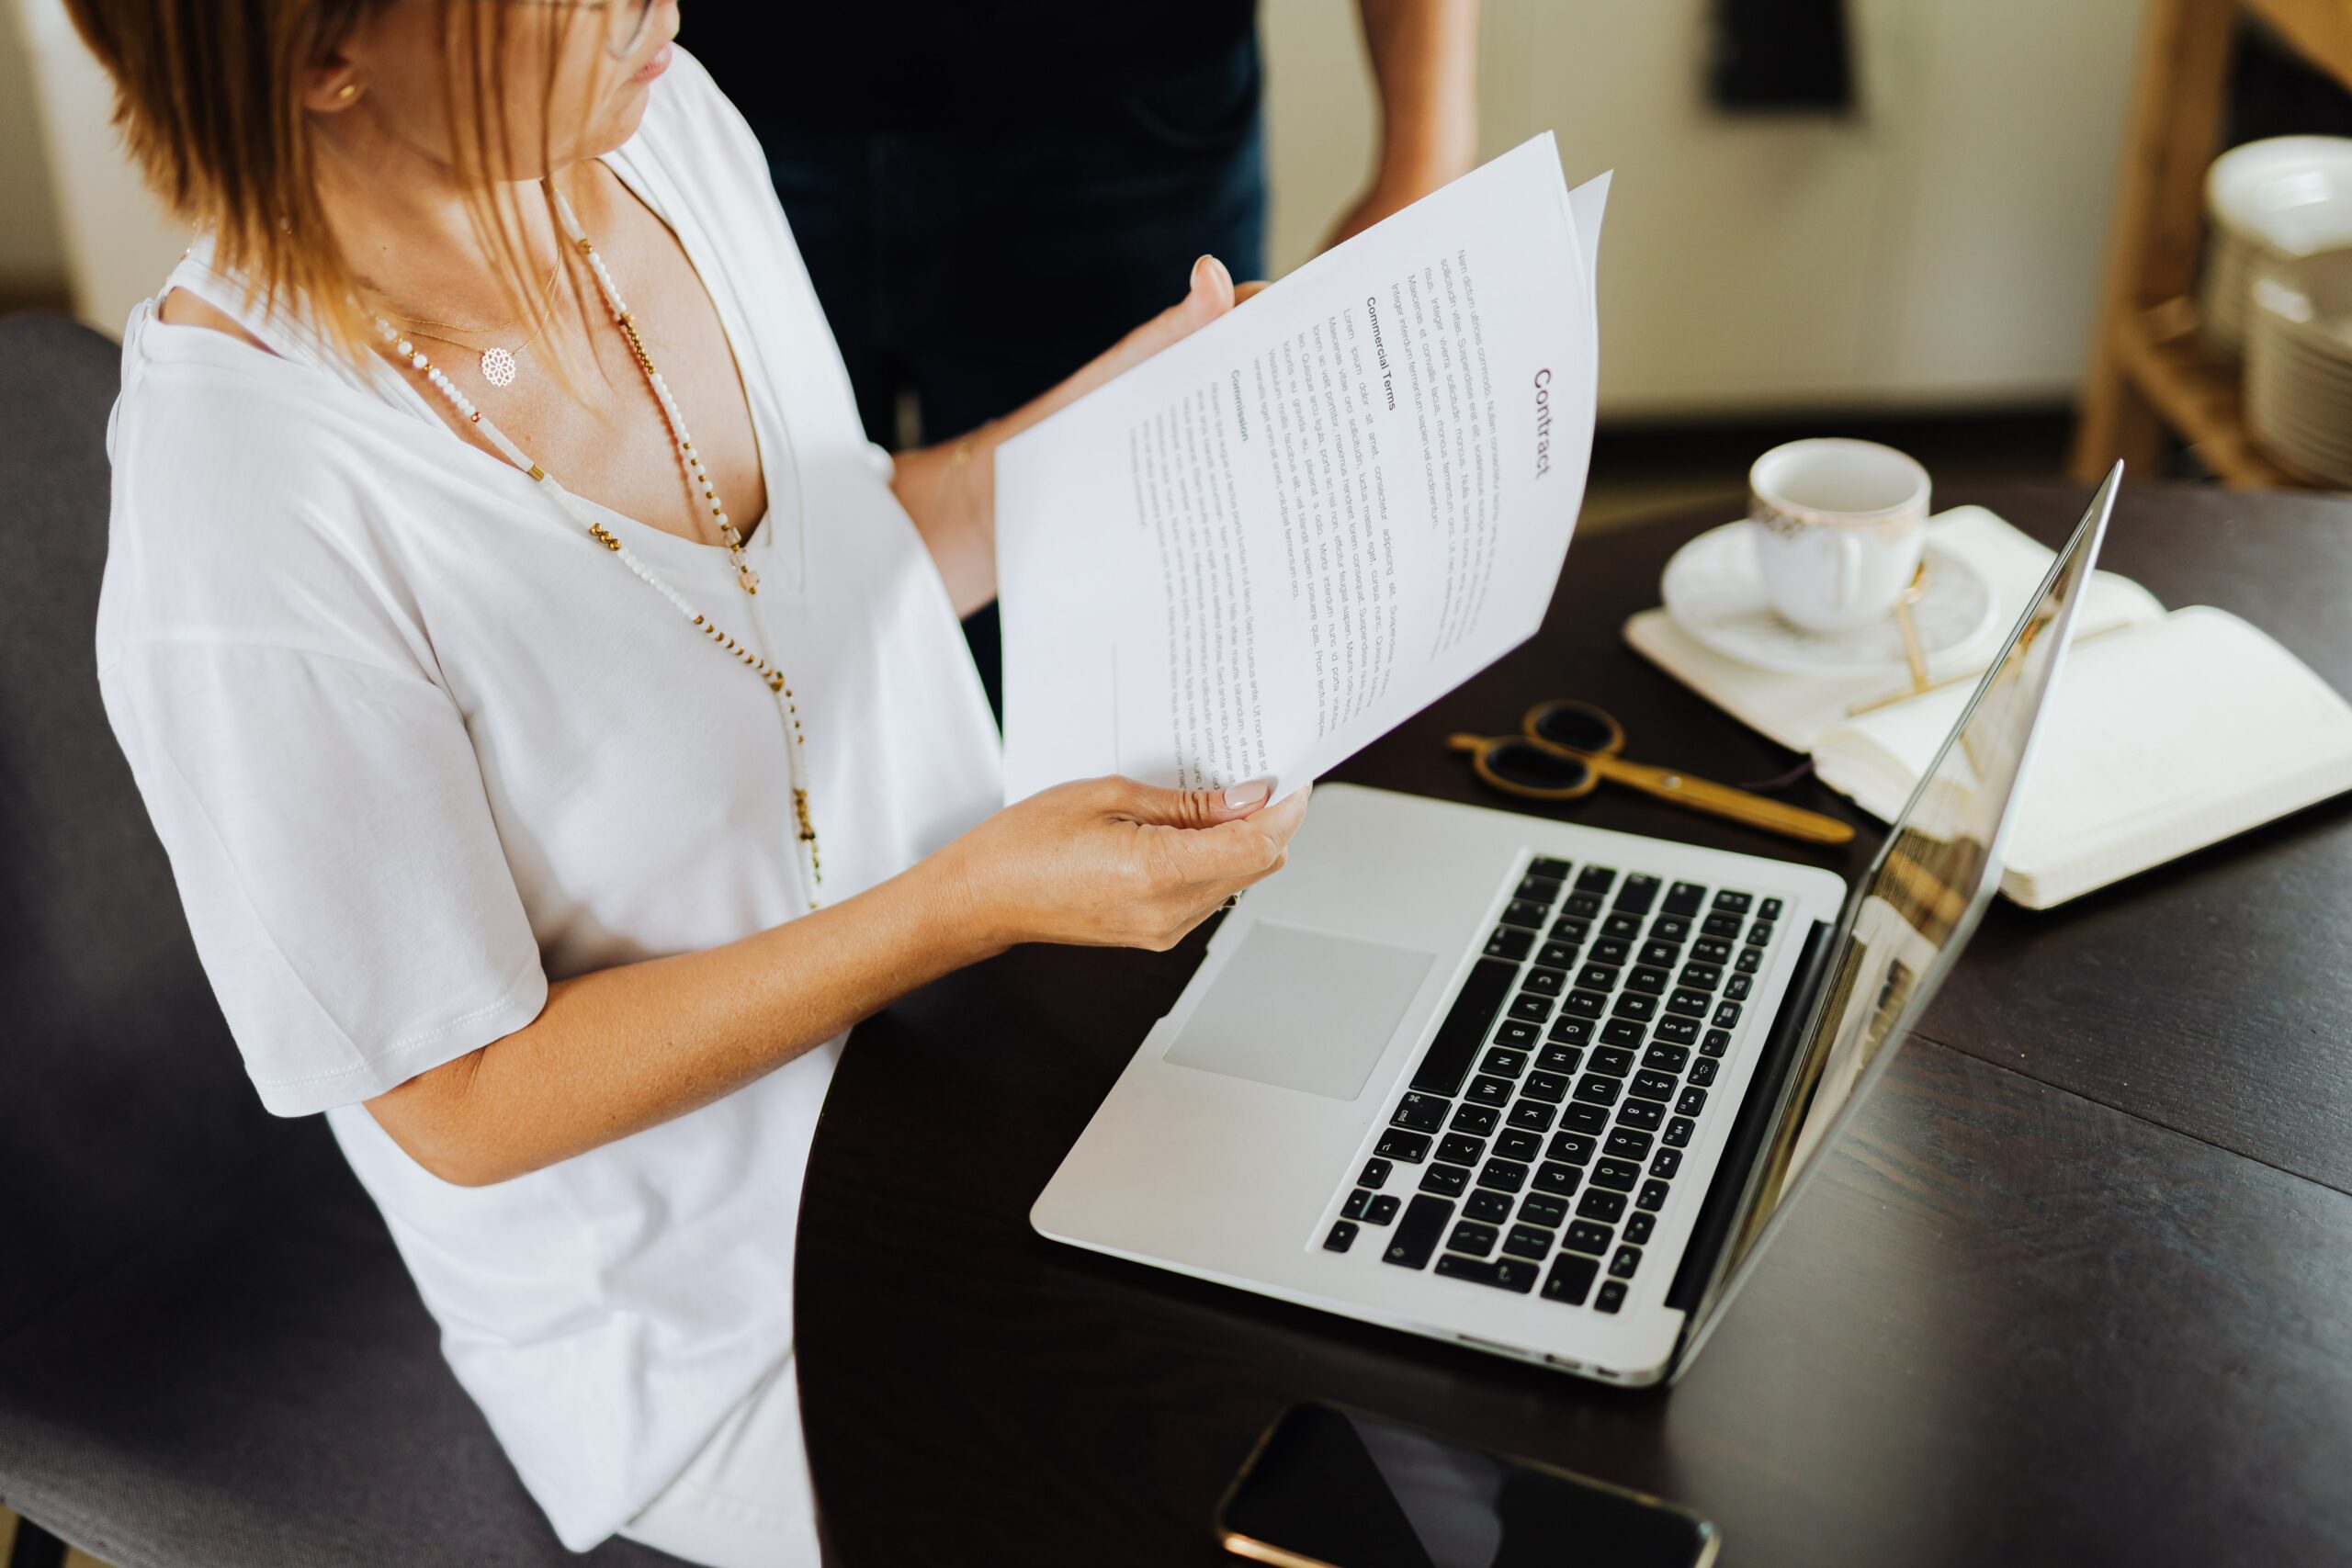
[1839, 528]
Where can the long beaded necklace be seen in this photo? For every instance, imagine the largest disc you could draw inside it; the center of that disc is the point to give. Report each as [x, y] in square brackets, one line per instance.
[744, 576]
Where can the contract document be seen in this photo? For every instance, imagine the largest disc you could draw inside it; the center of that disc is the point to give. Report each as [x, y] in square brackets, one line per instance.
[1271, 543]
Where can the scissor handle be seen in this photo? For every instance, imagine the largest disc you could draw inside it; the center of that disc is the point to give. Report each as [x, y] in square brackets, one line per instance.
[1722, 800]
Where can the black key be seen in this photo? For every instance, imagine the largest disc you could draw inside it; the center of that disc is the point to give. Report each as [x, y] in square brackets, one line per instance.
[1503, 1175]
[1711, 950]
[1514, 1274]
[1448, 1179]
[1597, 978]
[1532, 1115]
[1621, 1031]
[1667, 1164]
[1769, 910]
[1459, 1150]
[1690, 1004]
[1727, 1015]
[1485, 1091]
[1582, 906]
[1585, 1004]
[1651, 982]
[1518, 1144]
[1750, 959]
[1724, 928]
[1532, 1006]
[1652, 1195]
[1617, 1175]
[1718, 1041]
[1504, 1064]
[1416, 1234]
[1643, 1114]
[1628, 1258]
[1612, 950]
[1670, 928]
[1492, 1208]
[1654, 1086]
[1614, 1060]
[1684, 898]
[1559, 1059]
[1467, 1023]
[1638, 1228]
[1631, 1005]
[1737, 990]
[1701, 976]
[1574, 1147]
[1557, 956]
[1549, 1087]
[1624, 928]
[1472, 1238]
[1525, 912]
[1702, 1071]
[1570, 1280]
[1666, 1058]
[1677, 1133]
[1602, 1205]
[1358, 1202]
[1516, 1034]
[1383, 1209]
[1637, 893]
[1397, 1143]
[1343, 1235]
[1560, 1181]
[1662, 953]
[1596, 1090]
[1510, 942]
[1545, 982]
[1375, 1173]
[1678, 1031]
[1759, 933]
[1626, 1143]
[1421, 1113]
[1736, 903]
[1596, 879]
[1569, 1031]
[1583, 1118]
[1539, 890]
[1611, 1296]
[1527, 1241]
[1569, 929]
[1586, 1236]
[1693, 1102]
[1537, 1209]
[1477, 1118]
[1548, 865]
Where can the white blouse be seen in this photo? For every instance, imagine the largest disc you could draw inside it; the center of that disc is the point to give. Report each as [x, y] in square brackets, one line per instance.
[417, 744]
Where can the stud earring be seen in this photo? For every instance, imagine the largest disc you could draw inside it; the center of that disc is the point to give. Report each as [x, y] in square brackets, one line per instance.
[347, 92]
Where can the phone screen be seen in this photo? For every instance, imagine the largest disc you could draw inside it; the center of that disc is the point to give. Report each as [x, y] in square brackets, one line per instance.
[1330, 1487]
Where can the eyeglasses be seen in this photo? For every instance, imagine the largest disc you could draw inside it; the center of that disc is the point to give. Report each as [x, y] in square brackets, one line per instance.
[1565, 748]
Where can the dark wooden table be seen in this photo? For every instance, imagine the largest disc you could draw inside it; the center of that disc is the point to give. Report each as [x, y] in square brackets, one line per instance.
[2077, 1289]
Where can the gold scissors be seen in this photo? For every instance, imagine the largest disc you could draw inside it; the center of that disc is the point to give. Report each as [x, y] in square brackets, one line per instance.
[1566, 748]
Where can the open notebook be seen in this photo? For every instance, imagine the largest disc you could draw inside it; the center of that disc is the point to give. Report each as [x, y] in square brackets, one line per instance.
[2168, 732]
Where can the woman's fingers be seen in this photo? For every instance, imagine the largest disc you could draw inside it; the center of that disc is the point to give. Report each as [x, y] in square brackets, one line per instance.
[1183, 808]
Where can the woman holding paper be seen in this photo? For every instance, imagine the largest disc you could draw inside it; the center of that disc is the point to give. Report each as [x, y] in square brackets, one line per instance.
[553, 708]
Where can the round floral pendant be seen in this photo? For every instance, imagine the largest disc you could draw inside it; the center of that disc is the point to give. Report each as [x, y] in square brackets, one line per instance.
[498, 366]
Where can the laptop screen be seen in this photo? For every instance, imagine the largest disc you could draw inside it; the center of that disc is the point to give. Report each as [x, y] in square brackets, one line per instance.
[1922, 898]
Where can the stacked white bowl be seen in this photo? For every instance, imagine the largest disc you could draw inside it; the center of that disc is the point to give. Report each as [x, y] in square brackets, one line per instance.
[2290, 195]
[2298, 364]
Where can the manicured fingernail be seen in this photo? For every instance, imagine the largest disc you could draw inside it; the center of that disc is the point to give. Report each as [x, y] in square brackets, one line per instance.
[1250, 793]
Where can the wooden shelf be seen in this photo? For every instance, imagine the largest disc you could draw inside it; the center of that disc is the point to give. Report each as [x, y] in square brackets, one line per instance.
[2319, 30]
[2196, 395]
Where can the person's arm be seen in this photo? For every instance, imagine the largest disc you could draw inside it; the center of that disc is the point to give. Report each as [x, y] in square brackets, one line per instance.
[1425, 60]
[1106, 863]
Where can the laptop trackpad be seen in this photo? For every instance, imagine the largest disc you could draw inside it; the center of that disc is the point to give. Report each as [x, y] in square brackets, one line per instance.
[1301, 1010]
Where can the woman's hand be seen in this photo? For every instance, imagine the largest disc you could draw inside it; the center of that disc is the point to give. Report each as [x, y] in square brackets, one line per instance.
[1111, 862]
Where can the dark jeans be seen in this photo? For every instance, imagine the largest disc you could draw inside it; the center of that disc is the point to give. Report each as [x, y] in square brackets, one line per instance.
[977, 267]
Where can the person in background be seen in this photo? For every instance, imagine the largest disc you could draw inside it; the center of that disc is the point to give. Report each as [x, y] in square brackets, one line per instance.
[989, 192]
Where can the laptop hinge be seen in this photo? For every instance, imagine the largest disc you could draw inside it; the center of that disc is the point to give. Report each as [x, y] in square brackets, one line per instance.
[1725, 1194]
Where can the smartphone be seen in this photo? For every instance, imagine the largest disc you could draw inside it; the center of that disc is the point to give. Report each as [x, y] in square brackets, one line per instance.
[1328, 1487]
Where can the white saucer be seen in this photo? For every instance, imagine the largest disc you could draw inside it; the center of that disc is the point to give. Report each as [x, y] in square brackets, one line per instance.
[1713, 593]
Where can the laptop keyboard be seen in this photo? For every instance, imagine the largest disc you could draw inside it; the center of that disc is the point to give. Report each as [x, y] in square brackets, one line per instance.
[1546, 1124]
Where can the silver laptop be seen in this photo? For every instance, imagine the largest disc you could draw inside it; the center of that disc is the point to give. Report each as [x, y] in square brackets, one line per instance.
[1538, 1088]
